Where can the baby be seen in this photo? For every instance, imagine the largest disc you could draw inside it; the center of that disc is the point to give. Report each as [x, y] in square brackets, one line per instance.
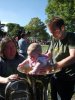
[35, 60]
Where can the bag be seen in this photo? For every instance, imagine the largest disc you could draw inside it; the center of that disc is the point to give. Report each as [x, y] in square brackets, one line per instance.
[18, 90]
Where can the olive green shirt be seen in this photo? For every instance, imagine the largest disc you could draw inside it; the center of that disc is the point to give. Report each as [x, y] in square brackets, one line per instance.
[60, 48]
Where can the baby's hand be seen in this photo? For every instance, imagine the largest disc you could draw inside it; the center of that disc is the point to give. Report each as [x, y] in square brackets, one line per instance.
[31, 72]
[20, 65]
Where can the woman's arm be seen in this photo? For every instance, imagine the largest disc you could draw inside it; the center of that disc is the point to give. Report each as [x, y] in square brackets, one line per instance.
[4, 79]
[7, 79]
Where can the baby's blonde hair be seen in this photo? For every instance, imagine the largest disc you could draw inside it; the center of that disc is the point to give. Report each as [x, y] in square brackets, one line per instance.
[34, 47]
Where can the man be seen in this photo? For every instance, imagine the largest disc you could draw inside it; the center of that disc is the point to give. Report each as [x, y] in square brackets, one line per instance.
[63, 52]
[22, 44]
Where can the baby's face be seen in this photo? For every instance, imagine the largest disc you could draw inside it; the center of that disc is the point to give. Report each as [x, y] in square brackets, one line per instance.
[33, 56]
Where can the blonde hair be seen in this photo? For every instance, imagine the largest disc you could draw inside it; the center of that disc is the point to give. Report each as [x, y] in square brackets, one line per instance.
[34, 47]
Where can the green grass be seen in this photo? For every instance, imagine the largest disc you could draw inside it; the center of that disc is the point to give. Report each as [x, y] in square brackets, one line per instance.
[44, 48]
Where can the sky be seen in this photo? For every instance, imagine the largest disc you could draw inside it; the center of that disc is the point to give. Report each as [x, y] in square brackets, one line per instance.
[21, 11]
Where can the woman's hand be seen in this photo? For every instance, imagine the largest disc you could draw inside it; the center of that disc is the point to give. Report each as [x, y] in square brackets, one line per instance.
[7, 79]
[12, 77]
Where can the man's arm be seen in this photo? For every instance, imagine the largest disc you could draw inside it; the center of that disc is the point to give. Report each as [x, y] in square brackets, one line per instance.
[68, 60]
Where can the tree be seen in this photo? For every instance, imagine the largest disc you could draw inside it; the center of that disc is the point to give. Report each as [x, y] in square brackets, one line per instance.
[13, 29]
[37, 29]
[64, 9]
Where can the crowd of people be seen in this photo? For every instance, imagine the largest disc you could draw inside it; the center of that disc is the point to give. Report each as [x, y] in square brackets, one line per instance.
[61, 51]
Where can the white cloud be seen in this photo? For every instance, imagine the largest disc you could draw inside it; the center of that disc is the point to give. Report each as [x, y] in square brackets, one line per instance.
[4, 22]
[5, 28]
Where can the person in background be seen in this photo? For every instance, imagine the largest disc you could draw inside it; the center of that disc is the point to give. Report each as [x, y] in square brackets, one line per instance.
[22, 45]
[9, 60]
[35, 59]
[63, 51]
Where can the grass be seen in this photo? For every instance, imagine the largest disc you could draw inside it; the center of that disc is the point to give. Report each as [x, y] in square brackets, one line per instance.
[44, 48]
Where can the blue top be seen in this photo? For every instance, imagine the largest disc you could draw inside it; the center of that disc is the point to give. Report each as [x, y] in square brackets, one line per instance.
[22, 46]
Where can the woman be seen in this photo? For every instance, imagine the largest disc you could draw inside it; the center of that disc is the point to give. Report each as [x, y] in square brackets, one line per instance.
[9, 61]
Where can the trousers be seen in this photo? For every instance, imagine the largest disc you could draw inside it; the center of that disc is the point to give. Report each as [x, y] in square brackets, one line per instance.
[64, 88]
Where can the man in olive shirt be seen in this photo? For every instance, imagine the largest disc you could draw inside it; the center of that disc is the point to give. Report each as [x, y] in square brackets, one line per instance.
[62, 49]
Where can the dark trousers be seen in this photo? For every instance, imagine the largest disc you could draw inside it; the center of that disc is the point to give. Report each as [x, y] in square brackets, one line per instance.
[1, 98]
[65, 89]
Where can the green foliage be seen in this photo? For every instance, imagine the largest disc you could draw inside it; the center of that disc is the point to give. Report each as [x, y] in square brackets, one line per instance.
[37, 28]
[13, 29]
[45, 48]
[64, 9]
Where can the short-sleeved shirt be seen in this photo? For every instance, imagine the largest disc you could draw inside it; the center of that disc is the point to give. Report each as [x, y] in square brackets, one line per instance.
[60, 48]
